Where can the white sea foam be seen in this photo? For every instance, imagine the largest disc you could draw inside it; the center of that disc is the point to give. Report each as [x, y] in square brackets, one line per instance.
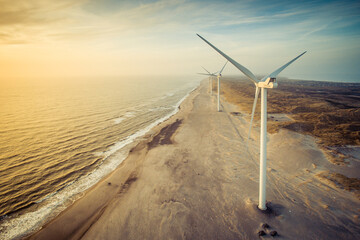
[114, 148]
[118, 120]
[31, 221]
[129, 114]
[168, 95]
[159, 109]
[55, 203]
[123, 117]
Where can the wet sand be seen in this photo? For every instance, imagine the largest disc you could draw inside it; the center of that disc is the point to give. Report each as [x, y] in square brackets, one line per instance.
[195, 177]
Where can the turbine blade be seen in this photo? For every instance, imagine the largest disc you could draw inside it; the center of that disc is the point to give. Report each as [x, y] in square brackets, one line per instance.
[277, 71]
[206, 70]
[243, 69]
[253, 110]
[223, 67]
[207, 74]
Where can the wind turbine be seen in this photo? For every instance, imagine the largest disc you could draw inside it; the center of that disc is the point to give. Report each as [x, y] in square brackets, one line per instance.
[217, 75]
[268, 81]
[210, 78]
[218, 88]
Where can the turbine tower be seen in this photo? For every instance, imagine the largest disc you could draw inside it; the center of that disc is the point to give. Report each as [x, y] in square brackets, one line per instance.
[218, 76]
[218, 88]
[210, 78]
[267, 82]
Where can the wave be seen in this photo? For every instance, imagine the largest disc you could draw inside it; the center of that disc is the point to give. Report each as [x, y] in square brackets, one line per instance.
[129, 114]
[123, 117]
[160, 109]
[118, 120]
[114, 148]
[168, 95]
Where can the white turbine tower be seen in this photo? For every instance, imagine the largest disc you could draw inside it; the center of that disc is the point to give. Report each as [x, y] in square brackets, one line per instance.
[265, 83]
[218, 88]
[217, 75]
[210, 78]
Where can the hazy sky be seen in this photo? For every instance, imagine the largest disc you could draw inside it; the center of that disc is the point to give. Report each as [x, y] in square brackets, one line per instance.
[70, 38]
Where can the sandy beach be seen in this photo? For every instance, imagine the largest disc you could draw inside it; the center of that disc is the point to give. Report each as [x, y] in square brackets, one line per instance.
[195, 176]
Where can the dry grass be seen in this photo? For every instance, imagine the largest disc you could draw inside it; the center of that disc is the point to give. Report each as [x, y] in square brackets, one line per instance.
[339, 180]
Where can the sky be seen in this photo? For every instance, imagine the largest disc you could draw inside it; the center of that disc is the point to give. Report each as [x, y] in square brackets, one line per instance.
[100, 38]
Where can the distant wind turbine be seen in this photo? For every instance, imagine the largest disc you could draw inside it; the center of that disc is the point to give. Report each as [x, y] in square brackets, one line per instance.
[267, 82]
[218, 76]
[210, 78]
[218, 88]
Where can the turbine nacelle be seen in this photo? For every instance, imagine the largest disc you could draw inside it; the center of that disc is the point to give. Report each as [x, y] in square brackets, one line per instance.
[268, 83]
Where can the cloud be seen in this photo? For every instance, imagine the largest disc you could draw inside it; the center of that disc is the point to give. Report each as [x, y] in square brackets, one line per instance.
[318, 29]
[23, 12]
[25, 21]
[40, 20]
[159, 30]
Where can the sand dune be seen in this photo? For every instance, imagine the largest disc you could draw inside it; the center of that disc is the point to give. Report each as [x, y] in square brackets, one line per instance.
[195, 177]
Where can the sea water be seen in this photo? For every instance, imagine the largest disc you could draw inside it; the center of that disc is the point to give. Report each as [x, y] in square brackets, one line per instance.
[58, 138]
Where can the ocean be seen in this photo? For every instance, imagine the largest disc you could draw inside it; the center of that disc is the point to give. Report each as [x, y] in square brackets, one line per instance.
[58, 138]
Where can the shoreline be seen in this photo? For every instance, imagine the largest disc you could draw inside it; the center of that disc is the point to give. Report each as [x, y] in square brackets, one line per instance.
[136, 145]
[119, 151]
[192, 176]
